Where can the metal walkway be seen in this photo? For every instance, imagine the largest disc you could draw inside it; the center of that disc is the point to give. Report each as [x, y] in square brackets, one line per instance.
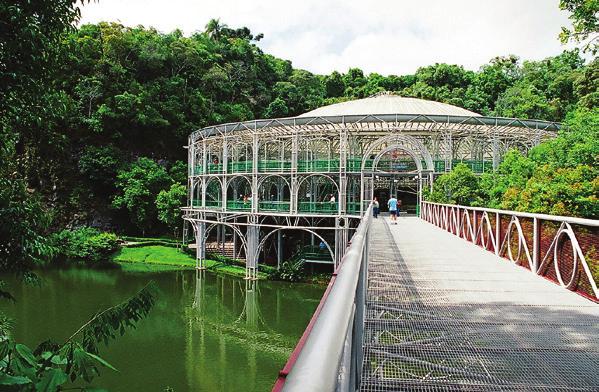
[443, 314]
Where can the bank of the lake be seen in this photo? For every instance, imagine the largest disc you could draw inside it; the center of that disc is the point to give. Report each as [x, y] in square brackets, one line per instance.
[160, 256]
[207, 332]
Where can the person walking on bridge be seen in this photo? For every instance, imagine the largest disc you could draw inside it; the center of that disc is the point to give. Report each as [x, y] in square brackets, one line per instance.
[392, 204]
[375, 208]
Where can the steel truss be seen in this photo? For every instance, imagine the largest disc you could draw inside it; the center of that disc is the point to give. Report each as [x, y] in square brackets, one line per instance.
[284, 169]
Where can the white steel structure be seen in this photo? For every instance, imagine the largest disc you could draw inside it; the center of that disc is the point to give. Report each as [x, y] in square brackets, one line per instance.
[256, 182]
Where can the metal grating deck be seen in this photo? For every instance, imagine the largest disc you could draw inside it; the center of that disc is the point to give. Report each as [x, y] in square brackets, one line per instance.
[444, 315]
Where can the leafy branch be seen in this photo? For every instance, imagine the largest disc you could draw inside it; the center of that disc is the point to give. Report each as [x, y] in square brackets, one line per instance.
[51, 365]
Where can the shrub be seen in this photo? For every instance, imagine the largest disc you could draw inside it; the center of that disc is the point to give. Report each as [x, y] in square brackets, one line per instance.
[85, 244]
[290, 271]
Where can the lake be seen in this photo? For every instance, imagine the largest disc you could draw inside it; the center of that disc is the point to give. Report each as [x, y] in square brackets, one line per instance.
[206, 332]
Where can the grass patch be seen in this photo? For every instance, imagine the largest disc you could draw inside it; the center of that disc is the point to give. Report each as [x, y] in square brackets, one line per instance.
[149, 239]
[154, 254]
[156, 257]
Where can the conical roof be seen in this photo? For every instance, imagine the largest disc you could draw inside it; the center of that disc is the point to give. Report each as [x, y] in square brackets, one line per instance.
[387, 103]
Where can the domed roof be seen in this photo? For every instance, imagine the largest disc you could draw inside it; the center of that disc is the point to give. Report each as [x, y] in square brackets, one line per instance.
[387, 103]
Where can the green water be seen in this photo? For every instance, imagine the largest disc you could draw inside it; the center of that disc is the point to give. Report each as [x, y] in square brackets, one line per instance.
[206, 332]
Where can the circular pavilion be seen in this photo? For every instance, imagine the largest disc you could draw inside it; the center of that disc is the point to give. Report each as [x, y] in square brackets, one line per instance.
[294, 188]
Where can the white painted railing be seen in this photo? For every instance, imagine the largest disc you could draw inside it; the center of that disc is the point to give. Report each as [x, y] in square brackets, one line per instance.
[534, 241]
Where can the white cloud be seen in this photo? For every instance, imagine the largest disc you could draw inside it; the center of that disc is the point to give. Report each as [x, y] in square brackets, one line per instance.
[385, 36]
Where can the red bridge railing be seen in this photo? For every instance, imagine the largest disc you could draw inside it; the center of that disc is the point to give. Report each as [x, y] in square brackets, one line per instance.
[562, 249]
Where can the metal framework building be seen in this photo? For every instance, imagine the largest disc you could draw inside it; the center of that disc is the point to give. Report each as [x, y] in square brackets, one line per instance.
[252, 182]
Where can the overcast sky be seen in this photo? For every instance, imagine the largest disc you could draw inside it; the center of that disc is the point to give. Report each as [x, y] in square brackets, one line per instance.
[384, 36]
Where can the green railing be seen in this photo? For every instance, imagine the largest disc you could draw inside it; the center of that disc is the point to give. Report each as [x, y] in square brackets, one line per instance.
[213, 203]
[281, 206]
[274, 166]
[215, 168]
[315, 253]
[355, 164]
[325, 165]
[239, 205]
[318, 165]
[353, 207]
[318, 207]
[275, 206]
[240, 167]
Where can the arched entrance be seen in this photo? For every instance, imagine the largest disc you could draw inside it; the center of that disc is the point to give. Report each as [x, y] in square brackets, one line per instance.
[396, 165]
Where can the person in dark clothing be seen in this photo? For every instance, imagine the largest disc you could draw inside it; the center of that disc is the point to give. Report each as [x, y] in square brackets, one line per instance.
[375, 208]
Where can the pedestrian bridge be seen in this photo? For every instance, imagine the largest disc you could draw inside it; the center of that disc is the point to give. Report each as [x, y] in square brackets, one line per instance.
[510, 306]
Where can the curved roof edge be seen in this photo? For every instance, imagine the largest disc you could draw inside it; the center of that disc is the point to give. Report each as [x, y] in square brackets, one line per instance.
[252, 125]
[389, 103]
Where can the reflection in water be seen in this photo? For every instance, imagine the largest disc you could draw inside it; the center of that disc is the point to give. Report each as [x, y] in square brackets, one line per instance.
[249, 326]
[205, 333]
[251, 308]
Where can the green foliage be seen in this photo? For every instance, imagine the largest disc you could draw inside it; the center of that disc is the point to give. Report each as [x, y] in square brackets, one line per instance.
[169, 203]
[86, 245]
[559, 176]
[560, 191]
[178, 172]
[50, 366]
[585, 25]
[99, 165]
[23, 228]
[138, 187]
[523, 100]
[289, 271]
[577, 143]
[460, 186]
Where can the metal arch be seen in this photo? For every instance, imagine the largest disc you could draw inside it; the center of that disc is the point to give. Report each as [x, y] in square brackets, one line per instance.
[246, 177]
[269, 176]
[304, 178]
[394, 147]
[209, 179]
[261, 244]
[235, 229]
[398, 139]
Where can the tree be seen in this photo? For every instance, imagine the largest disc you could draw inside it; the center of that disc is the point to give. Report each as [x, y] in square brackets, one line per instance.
[585, 23]
[178, 172]
[460, 186]
[504, 187]
[334, 85]
[138, 187]
[523, 100]
[29, 48]
[277, 108]
[214, 29]
[169, 203]
[100, 165]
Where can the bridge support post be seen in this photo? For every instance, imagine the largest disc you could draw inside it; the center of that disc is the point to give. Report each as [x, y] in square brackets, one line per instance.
[340, 240]
[251, 259]
[199, 229]
[279, 249]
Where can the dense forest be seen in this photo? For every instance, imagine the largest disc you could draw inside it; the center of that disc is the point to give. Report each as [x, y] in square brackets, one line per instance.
[93, 120]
